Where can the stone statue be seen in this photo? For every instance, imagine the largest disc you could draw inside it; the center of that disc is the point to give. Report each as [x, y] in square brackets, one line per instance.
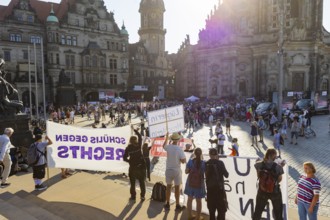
[9, 101]
[63, 79]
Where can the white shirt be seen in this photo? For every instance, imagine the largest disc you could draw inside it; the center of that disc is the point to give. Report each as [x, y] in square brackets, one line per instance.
[211, 118]
[221, 139]
[174, 155]
[4, 146]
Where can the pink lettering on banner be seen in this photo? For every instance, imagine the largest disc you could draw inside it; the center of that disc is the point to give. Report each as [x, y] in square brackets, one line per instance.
[157, 149]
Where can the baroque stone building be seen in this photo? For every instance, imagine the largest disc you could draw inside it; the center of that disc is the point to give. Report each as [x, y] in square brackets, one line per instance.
[237, 51]
[84, 50]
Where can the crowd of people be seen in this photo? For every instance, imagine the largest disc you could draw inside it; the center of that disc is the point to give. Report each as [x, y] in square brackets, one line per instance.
[205, 178]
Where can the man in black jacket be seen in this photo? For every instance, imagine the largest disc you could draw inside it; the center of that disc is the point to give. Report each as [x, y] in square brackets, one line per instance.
[216, 194]
[137, 167]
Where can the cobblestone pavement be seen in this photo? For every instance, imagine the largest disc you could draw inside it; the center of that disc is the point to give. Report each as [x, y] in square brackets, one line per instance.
[314, 149]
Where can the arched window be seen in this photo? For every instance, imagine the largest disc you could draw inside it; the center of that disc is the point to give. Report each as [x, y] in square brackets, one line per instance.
[325, 85]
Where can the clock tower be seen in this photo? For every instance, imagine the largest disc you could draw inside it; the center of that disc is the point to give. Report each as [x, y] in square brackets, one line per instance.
[152, 31]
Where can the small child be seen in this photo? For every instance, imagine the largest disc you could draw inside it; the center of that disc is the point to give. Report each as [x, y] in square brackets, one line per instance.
[234, 149]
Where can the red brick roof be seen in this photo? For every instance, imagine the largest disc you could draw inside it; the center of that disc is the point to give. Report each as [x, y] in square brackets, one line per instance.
[41, 8]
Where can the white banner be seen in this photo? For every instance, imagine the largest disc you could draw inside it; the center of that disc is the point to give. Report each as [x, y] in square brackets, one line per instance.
[241, 188]
[166, 120]
[87, 149]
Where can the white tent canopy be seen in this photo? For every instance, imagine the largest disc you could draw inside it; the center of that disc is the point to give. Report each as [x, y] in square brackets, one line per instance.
[119, 99]
[191, 99]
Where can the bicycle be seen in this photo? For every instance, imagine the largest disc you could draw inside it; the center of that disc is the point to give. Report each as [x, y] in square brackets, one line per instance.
[309, 132]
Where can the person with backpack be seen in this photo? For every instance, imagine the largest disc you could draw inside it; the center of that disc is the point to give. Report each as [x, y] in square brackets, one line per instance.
[215, 171]
[5, 159]
[195, 187]
[137, 165]
[269, 175]
[39, 165]
[173, 173]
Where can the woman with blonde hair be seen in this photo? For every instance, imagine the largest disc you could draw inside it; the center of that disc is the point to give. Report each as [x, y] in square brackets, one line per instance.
[308, 193]
[195, 186]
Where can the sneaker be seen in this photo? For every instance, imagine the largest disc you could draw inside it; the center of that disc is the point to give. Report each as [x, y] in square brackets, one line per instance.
[167, 206]
[179, 208]
[142, 198]
[132, 198]
[40, 187]
[4, 185]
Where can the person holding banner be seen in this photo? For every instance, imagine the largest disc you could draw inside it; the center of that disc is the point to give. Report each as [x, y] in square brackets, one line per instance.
[175, 156]
[276, 171]
[137, 165]
[39, 169]
[146, 151]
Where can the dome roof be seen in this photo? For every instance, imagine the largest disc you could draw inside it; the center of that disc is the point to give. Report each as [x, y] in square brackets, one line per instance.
[52, 17]
[123, 30]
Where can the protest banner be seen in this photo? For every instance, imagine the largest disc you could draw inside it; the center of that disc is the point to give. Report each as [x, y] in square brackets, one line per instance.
[241, 189]
[157, 149]
[87, 149]
[166, 120]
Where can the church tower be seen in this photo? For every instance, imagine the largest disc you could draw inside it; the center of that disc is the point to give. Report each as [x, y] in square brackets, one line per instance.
[152, 31]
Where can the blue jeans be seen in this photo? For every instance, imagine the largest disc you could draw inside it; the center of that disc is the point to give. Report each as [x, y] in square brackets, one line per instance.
[303, 211]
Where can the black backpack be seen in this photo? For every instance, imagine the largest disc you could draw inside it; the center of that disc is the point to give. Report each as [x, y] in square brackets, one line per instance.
[159, 192]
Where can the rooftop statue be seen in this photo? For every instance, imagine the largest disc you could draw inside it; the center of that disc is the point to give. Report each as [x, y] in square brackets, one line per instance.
[9, 101]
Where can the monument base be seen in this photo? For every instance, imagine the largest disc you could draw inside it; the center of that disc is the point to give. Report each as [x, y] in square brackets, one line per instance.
[22, 136]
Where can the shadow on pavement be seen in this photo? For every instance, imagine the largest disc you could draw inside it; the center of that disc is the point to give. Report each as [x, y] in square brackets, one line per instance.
[259, 153]
[294, 173]
[154, 209]
[126, 210]
[134, 212]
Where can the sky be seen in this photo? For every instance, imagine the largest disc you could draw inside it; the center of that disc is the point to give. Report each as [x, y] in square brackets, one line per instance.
[181, 17]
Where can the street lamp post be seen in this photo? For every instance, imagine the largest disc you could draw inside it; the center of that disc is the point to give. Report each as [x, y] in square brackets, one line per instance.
[281, 61]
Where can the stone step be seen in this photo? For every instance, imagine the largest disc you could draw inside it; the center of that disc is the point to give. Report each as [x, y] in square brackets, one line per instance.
[3, 217]
[10, 211]
[66, 210]
[29, 207]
